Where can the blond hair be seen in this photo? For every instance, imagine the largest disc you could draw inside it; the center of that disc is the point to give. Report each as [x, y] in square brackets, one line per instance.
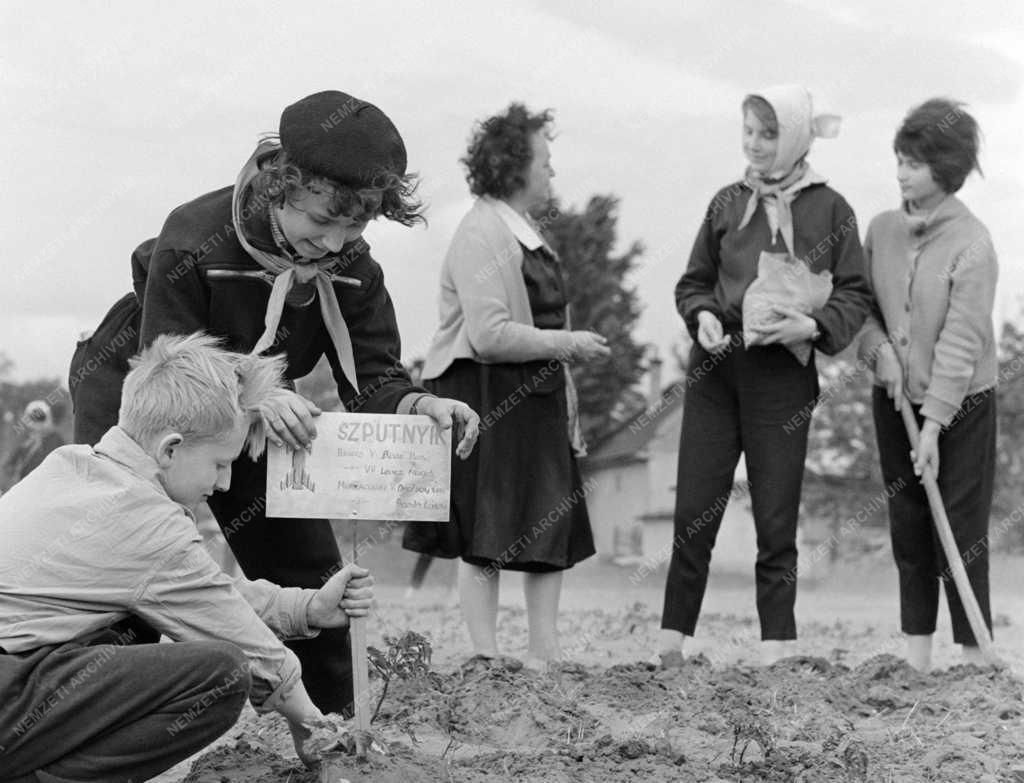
[189, 384]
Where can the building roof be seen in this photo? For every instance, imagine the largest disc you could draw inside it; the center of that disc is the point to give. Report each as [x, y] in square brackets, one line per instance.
[628, 443]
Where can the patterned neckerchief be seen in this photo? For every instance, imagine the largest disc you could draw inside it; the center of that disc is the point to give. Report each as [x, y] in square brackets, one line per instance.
[300, 294]
[275, 231]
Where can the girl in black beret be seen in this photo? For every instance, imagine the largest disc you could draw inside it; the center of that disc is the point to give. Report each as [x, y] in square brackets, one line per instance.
[277, 263]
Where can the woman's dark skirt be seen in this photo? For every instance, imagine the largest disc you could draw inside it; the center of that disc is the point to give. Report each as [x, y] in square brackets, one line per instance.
[518, 501]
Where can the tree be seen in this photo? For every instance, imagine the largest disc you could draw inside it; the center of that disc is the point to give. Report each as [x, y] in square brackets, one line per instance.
[599, 300]
[841, 442]
[843, 473]
[1009, 451]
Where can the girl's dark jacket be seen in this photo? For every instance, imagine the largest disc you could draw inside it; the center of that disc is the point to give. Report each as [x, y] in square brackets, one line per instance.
[724, 261]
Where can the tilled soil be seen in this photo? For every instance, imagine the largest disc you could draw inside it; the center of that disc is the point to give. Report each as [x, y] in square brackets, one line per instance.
[846, 710]
[802, 720]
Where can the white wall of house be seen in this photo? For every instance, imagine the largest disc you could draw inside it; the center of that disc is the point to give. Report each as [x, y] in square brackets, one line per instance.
[616, 501]
[625, 493]
[663, 451]
[735, 547]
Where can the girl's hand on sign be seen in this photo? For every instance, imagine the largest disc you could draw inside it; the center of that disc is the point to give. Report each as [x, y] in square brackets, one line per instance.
[349, 593]
[289, 419]
[792, 327]
[447, 414]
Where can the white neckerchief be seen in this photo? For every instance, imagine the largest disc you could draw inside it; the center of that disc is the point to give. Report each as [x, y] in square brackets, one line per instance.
[777, 198]
[287, 272]
[522, 228]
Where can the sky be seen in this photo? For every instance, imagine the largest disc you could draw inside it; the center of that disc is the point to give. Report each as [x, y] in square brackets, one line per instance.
[116, 112]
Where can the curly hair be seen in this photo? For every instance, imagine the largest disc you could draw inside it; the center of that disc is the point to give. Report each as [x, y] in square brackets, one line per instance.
[391, 195]
[943, 135]
[499, 151]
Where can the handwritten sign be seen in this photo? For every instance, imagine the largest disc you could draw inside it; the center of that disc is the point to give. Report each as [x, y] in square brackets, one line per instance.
[364, 466]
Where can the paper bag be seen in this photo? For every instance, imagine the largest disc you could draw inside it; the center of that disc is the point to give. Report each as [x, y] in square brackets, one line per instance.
[783, 280]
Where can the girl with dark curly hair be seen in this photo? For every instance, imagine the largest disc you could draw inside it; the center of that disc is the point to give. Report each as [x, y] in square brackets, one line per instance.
[503, 348]
[930, 338]
[277, 263]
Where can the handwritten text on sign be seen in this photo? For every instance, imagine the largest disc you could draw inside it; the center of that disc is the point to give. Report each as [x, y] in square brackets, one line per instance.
[364, 466]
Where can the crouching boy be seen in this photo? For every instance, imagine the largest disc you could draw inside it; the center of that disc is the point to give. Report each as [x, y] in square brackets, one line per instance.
[98, 536]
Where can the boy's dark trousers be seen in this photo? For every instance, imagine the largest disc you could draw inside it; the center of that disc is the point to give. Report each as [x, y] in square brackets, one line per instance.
[287, 552]
[117, 713]
[757, 401]
[967, 461]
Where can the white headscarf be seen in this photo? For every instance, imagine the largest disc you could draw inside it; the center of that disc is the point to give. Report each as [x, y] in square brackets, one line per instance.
[798, 125]
[790, 173]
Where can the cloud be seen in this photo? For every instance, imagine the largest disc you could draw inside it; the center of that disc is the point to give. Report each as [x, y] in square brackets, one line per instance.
[48, 352]
[171, 97]
[864, 55]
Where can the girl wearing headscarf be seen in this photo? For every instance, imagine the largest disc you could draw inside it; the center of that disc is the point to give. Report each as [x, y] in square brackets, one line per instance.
[277, 263]
[757, 399]
[933, 269]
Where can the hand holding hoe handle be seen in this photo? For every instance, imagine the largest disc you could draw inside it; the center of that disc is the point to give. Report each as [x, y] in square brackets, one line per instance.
[956, 565]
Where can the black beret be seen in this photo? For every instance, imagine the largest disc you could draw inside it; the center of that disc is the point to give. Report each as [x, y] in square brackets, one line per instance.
[334, 135]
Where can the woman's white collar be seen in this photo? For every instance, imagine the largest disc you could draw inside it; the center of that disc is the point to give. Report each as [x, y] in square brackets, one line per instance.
[520, 227]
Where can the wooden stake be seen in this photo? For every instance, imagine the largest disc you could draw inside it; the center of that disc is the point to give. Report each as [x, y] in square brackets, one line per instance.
[956, 564]
[360, 668]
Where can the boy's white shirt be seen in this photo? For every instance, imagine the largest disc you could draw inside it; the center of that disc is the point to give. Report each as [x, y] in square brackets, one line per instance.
[91, 536]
